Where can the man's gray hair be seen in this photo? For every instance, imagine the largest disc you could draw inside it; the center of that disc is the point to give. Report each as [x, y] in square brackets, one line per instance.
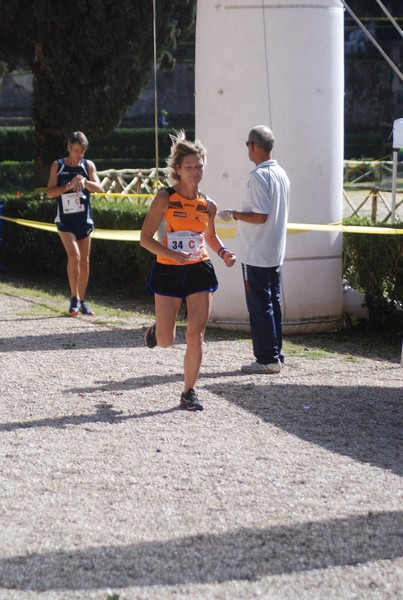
[263, 137]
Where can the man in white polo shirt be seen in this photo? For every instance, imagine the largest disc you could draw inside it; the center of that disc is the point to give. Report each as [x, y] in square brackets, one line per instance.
[262, 234]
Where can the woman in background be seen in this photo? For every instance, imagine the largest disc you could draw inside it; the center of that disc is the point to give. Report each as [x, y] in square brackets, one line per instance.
[71, 180]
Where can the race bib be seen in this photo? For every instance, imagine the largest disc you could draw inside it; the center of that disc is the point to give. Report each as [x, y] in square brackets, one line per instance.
[187, 241]
[72, 203]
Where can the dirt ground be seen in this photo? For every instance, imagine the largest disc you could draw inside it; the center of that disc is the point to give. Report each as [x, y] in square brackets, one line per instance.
[286, 486]
[360, 202]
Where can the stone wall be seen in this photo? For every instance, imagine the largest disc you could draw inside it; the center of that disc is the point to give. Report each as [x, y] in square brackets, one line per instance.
[374, 92]
[175, 92]
[15, 96]
[373, 100]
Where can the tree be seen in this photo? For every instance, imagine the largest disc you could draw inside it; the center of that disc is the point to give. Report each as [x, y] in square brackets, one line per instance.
[89, 60]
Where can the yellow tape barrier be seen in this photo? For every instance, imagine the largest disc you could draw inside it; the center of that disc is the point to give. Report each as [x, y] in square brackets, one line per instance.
[128, 235]
[229, 231]
[121, 195]
[42, 190]
[298, 227]
[226, 232]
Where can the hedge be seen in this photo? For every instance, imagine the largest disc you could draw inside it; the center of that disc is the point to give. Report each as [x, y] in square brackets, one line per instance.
[373, 264]
[366, 146]
[17, 144]
[16, 176]
[114, 264]
[121, 149]
[138, 143]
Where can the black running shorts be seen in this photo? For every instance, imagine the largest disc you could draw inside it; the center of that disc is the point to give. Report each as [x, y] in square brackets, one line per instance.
[180, 281]
[80, 230]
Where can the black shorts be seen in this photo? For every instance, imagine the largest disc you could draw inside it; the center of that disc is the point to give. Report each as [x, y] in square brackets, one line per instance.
[180, 281]
[80, 230]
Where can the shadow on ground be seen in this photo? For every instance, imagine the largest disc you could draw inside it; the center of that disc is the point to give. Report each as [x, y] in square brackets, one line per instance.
[244, 554]
[75, 340]
[362, 422]
[115, 336]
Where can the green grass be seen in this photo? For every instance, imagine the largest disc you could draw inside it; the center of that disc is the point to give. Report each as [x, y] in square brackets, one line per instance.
[292, 347]
[44, 298]
[349, 340]
[295, 346]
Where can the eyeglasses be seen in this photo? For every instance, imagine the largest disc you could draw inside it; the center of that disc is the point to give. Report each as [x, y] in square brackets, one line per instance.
[249, 142]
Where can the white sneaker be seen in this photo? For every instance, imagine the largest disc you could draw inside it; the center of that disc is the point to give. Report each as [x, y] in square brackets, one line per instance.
[258, 367]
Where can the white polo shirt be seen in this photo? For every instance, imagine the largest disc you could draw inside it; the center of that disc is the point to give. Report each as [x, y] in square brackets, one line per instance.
[267, 192]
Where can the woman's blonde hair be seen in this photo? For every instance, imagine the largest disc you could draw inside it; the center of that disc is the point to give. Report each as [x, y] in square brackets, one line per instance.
[180, 148]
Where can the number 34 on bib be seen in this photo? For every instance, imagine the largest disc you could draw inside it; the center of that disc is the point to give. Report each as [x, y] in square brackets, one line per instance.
[187, 241]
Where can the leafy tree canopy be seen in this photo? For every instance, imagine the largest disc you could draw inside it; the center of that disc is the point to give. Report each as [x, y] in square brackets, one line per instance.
[89, 60]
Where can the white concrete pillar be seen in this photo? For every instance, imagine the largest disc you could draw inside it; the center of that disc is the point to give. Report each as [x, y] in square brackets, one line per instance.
[278, 63]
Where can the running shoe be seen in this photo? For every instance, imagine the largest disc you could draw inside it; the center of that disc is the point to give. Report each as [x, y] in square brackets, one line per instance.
[260, 368]
[74, 308]
[190, 401]
[85, 309]
[150, 338]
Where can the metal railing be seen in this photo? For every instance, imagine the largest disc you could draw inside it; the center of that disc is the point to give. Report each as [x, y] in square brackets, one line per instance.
[370, 171]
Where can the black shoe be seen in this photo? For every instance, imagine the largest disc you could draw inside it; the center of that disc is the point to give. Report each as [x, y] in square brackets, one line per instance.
[190, 401]
[150, 339]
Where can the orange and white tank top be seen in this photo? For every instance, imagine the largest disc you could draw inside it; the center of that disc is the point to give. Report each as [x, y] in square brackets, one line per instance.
[183, 225]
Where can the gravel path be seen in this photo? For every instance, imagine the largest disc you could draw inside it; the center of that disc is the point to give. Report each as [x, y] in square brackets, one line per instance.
[284, 487]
